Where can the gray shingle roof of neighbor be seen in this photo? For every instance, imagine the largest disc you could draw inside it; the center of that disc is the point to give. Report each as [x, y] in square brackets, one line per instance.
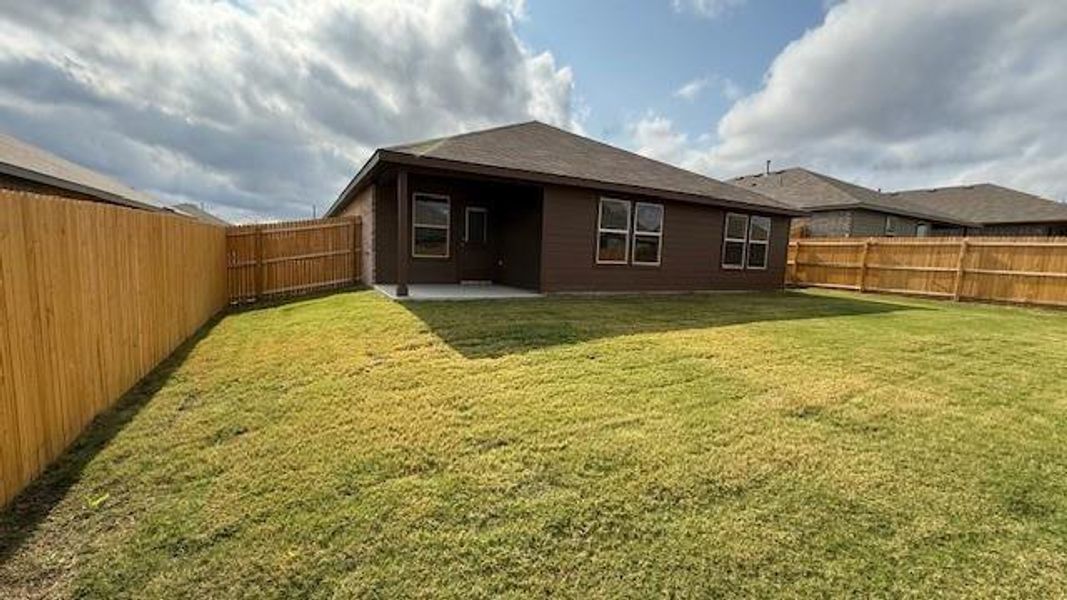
[191, 210]
[987, 203]
[813, 191]
[25, 161]
[540, 152]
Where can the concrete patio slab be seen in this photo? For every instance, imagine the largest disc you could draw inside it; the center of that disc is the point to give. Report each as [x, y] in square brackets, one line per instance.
[444, 291]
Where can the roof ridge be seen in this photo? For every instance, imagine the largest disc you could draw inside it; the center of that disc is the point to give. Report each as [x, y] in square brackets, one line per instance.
[464, 134]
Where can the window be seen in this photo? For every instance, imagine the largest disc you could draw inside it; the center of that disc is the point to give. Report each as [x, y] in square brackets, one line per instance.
[892, 225]
[922, 230]
[734, 241]
[648, 233]
[613, 232]
[759, 239]
[477, 225]
[430, 222]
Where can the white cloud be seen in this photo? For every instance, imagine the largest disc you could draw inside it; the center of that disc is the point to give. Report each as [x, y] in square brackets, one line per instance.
[654, 136]
[262, 109]
[705, 8]
[691, 89]
[908, 93]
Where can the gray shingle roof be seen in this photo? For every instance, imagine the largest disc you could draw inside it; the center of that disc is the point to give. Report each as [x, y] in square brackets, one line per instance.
[22, 160]
[534, 148]
[194, 211]
[813, 191]
[987, 203]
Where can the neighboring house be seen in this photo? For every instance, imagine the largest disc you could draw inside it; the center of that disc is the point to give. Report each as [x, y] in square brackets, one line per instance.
[194, 211]
[533, 206]
[998, 210]
[26, 168]
[842, 209]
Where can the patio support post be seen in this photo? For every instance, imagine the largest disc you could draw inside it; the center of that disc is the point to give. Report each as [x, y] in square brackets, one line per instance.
[403, 232]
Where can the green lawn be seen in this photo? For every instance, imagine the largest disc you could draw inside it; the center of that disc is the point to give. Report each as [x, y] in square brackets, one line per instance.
[800, 444]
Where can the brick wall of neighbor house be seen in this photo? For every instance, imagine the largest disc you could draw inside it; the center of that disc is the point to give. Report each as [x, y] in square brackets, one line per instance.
[691, 255]
[363, 207]
[866, 223]
[831, 223]
[1014, 229]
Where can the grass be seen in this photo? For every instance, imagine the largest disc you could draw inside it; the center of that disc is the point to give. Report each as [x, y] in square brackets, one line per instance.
[798, 444]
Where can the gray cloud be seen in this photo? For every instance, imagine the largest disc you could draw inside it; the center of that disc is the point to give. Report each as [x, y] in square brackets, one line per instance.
[261, 110]
[907, 93]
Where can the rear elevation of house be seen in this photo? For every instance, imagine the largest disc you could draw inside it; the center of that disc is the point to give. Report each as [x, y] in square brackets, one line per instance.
[842, 209]
[536, 207]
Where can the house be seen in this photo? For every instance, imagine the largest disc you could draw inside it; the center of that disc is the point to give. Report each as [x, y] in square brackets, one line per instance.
[842, 209]
[997, 210]
[191, 210]
[532, 206]
[27, 168]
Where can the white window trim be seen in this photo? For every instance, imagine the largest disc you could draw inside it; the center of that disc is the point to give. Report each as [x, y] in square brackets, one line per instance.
[656, 234]
[727, 239]
[447, 227]
[467, 223]
[601, 230]
[766, 243]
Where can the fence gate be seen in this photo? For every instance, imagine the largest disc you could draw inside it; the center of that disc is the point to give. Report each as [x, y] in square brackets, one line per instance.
[292, 257]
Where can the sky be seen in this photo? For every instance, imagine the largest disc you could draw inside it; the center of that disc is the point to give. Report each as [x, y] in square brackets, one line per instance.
[264, 109]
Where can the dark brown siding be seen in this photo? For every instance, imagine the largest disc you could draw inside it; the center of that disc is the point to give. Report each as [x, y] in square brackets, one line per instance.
[691, 256]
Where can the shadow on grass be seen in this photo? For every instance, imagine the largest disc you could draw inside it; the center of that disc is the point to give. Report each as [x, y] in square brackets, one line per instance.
[494, 328]
[21, 517]
[282, 300]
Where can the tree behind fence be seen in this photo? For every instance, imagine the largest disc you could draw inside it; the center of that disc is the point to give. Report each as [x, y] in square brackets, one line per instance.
[1021, 270]
[92, 298]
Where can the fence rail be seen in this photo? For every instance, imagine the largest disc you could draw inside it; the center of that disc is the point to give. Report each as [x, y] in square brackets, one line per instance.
[92, 297]
[1021, 270]
[292, 257]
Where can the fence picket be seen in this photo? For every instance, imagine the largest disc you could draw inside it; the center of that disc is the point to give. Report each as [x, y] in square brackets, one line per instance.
[1020, 270]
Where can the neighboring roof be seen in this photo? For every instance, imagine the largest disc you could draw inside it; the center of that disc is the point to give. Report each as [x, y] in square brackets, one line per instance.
[194, 211]
[19, 159]
[534, 151]
[816, 192]
[987, 203]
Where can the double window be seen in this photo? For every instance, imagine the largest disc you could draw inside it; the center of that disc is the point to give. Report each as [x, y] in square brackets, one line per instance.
[629, 233]
[430, 225]
[746, 241]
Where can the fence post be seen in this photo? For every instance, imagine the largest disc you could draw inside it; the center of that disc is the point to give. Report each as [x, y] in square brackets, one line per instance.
[958, 286]
[259, 262]
[863, 264]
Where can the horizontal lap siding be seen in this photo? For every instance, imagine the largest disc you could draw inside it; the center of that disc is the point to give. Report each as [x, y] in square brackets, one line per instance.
[92, 297]
[692, 246]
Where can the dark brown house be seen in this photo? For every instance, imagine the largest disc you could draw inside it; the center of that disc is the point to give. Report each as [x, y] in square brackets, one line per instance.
[536, 207]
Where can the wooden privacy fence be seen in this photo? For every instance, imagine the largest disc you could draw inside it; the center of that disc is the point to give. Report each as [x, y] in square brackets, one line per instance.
[92, 297]
[292, 257]
[1022, 270]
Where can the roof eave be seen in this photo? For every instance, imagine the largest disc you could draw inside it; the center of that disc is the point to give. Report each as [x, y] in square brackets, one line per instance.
[358, 182]
[70, 186]
[383, 156]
